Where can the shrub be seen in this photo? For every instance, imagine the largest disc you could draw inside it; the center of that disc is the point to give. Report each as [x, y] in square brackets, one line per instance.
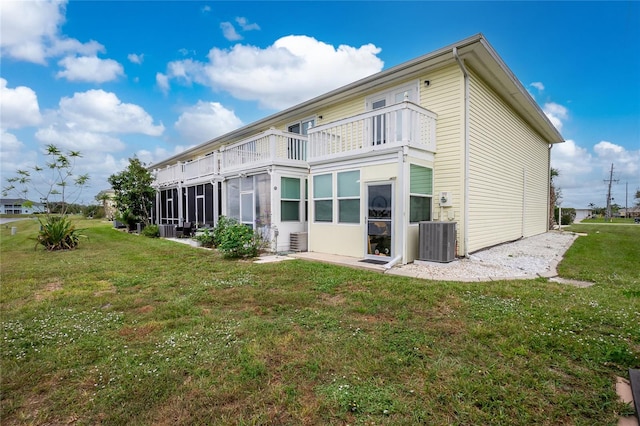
[236, 240]
[205, 238]
[221, 228]
[568, 215]
[58, 233]
[151, 231]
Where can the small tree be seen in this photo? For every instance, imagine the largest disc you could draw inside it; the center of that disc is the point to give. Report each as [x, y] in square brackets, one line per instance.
[555, 195]
[133, 192]
[56, 183]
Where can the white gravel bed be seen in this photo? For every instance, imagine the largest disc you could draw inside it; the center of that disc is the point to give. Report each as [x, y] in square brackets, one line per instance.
[526, 258]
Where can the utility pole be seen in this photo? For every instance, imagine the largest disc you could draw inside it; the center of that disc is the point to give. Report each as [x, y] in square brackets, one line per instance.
[610, 180]
[626, 199]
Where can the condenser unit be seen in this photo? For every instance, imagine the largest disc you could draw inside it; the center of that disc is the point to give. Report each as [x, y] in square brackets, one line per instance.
[437, 241]
[298, 241]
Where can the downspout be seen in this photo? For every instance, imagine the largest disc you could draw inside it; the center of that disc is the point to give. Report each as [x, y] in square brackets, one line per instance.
[524, 200]
[466, 152]
[550, 208]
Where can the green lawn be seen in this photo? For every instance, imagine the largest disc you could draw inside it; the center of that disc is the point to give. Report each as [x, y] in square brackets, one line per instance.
[132, 330]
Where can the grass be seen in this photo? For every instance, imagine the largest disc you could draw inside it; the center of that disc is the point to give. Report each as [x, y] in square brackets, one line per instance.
[610, 220]
[133, 330]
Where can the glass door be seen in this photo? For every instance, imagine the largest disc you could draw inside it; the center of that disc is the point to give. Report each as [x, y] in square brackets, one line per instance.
[379, 221]
[379, 125]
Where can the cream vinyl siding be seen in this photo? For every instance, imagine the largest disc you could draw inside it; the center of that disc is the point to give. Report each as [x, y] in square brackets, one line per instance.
[445, 97]
[347, 239]
[508, 167]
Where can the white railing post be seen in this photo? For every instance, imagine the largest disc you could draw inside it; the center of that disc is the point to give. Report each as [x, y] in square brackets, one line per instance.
[272, 144]
[407, 116]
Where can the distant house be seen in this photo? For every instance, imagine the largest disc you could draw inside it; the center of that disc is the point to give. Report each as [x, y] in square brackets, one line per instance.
[582, 214]
[451, 136]
[630, 212]
[106, 197]
[20, 206]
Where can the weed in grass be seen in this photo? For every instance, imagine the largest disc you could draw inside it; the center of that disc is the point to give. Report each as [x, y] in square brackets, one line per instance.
[241, 280]
[35, 337]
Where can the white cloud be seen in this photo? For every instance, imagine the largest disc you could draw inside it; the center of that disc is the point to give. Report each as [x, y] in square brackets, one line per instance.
[206, 120]
[135, 58]
[79, 140]
[100, 111]
[159, 154]
[30, 31]
[163, 82]
[556, 113]
[245, 25]
[13, 157]
[571, 160]
[18, 107]
[90, 69]
[293, 69]
[626, 163]
[229, 31]
[206, 9]
[538, 85]
[583, 174]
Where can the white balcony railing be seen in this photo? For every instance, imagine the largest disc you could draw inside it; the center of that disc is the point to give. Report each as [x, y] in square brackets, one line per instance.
[270, 147]
[168, 175]
[404, 123]
[401, 124]
[202, 167]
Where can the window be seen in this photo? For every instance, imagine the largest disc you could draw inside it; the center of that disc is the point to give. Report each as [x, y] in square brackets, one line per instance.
[290, 199]
[262, 187]
[322, 197]
[421, 189]
[349, 197]
[233, 198]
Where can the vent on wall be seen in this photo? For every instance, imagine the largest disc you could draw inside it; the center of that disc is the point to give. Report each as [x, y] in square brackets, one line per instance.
[437, 241]
[298, 241]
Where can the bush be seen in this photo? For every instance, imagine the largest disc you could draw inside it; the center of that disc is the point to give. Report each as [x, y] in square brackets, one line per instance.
[221, 228]
[58, 233]
[568, 215]
[205, 238]
[236, 240]
[151, 231]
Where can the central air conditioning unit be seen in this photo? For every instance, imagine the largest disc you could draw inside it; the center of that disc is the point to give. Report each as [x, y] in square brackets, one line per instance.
[298, 241]
[437, 241]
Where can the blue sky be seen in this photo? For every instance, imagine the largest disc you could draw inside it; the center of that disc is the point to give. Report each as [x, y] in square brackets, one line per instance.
[117, 79]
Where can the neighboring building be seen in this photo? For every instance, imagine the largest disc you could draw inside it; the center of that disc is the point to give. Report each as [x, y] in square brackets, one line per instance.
[582, 214]
[630, 212]
[106, 197]
[19, 206]
[449, 136]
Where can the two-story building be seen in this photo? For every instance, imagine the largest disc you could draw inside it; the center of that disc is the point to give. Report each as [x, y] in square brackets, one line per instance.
[451, 136]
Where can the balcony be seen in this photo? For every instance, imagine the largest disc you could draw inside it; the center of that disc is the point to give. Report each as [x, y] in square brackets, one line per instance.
[202, 167]
[402, 124]
[169, 175]
[270, 147]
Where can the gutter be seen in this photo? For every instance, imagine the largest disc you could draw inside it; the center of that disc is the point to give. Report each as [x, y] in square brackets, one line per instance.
[466, 152]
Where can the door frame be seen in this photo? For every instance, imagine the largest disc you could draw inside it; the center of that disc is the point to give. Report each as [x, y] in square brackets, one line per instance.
[391, 220]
